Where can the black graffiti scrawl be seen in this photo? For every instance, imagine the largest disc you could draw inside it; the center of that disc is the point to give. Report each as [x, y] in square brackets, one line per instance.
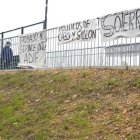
[122, 24]
[79, 31]
[32, 49]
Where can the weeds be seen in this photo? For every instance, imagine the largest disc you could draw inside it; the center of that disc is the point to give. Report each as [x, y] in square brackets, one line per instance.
[136, 82]
[70, 104]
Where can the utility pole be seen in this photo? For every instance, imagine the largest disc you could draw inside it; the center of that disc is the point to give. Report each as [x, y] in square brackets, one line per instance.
[46, 11]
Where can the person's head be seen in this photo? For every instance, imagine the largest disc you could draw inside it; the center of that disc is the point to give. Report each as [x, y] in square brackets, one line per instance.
[8, 44]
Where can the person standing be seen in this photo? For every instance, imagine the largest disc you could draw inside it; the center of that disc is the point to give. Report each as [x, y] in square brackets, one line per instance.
[7, 54]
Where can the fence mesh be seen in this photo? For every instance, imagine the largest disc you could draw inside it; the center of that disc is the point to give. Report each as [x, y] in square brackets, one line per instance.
[117, 53]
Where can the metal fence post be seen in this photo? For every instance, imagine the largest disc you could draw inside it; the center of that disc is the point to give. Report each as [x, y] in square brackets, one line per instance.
[46, 11]
[22, 30]
[2, 36]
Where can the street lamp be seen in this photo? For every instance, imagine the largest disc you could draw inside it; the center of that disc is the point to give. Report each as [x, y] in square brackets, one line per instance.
[46, 11]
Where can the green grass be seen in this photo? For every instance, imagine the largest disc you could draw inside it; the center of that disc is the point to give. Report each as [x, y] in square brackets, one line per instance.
[136, 82]
[82, 104]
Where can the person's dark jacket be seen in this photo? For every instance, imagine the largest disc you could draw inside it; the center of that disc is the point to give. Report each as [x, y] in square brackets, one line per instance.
[7, 54]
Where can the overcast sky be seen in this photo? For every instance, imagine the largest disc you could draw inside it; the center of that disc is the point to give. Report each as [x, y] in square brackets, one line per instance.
[17, 13]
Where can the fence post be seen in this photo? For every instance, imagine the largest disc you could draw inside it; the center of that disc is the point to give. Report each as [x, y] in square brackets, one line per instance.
[2, 36]
[22, 30]
[46, 11]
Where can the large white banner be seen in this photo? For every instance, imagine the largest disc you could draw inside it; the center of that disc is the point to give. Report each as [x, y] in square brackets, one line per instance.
[32, 50]
[122, 24]
[79, 31]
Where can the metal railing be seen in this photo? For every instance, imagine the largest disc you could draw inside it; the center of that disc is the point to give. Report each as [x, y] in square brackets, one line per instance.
[117, 53]
[12, 36]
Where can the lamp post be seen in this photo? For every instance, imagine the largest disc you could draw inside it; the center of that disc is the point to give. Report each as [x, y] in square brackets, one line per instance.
[46, 11]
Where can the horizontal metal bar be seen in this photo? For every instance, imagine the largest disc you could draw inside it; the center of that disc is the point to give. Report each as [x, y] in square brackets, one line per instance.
[10, 37]
[12, 30]
[23, 27]
[33, 24]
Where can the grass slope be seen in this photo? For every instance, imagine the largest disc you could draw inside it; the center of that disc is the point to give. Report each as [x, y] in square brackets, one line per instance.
[85, 104]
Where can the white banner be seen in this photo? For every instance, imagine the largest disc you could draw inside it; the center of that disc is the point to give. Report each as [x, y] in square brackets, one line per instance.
[79, 31]
[32, 50]
[123, 24]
